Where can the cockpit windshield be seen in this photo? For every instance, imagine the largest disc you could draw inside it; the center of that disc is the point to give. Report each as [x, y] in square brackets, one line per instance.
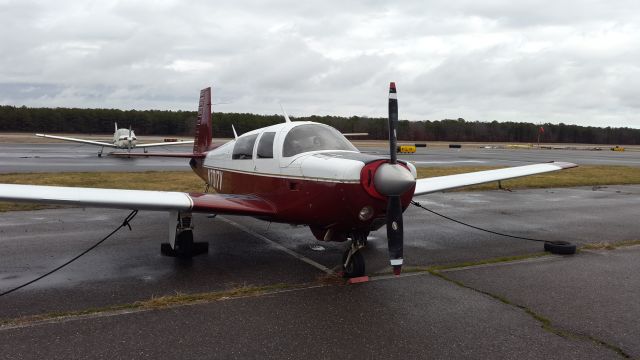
[313, 137]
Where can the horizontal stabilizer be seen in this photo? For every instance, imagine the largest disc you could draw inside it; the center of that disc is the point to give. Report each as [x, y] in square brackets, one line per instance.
[187, 142]
[158, 154]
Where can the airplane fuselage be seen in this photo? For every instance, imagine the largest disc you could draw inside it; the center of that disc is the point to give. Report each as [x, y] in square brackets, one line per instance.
[308, 171]
[124, 139]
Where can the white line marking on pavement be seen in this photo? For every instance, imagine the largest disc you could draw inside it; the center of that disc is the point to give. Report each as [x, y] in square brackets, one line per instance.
[280, 247]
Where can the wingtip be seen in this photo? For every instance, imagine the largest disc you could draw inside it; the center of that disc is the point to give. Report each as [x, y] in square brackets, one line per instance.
[565, 165]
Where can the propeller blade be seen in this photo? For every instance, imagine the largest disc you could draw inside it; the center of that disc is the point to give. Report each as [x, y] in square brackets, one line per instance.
[130, 138]
[395, 233]
[393, 123]
[393, 181]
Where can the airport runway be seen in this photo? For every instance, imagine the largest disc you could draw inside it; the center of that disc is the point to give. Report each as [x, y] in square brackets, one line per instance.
[589, 300]
[76, 157]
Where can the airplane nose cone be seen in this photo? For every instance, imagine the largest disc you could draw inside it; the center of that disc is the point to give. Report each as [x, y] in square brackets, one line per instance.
[393, 179]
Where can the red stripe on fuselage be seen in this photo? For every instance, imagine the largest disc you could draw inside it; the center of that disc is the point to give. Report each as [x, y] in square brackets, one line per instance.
[312, 202]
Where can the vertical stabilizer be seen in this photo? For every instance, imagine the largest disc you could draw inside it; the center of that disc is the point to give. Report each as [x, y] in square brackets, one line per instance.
[202, 141]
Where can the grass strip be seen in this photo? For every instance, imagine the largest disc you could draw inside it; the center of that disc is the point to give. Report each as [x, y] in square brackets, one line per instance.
[155, 303]
[606, 245]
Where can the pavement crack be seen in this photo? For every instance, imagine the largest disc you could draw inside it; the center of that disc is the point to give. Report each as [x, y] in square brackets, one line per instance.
[545, 323]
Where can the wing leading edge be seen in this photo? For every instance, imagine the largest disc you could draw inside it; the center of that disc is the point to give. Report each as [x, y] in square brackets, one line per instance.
[440, 183]
[82, 141]
[138, 199]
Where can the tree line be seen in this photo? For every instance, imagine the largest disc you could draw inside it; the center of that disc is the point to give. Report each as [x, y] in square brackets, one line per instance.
[182, 123]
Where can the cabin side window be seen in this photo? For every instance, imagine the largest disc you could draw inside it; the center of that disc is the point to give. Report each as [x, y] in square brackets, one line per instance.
[243, 150]
[265, 146]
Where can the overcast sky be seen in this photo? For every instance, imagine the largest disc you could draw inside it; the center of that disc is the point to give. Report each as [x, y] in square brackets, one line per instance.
[575, 62]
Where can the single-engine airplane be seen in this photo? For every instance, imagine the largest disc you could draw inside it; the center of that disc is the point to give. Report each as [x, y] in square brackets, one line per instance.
[294, 172]
[122, 139]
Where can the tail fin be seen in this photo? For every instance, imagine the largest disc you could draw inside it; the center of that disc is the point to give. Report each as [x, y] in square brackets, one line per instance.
[202, 142]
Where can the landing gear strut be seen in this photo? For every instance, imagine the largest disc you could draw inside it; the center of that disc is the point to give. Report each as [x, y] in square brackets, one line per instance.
[181, 242]
[352, 259]
[100, 153]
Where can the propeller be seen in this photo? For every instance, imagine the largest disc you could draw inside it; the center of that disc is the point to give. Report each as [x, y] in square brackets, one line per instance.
[393, 180]
[129, 139]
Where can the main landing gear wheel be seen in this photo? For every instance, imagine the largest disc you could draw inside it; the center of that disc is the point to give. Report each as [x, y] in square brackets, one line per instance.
[560, 247]
[354, 267]
[184, 247]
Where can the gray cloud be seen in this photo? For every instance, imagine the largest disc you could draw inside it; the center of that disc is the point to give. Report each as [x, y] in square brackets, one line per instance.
[570, 61]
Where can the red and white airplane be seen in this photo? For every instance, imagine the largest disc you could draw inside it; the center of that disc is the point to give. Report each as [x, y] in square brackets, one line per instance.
[294, 172]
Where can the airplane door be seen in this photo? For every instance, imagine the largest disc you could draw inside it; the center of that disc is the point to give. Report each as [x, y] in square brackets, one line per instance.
[264, 161]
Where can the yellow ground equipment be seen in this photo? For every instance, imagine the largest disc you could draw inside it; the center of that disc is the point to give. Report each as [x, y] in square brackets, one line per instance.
[407, 149]
[617, 148]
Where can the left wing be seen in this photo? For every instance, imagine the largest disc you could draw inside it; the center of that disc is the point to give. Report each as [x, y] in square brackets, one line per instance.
[440, 183]
[164, 144]
[138, 199]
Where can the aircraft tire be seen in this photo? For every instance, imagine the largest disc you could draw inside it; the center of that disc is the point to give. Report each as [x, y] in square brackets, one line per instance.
[355, 268]
[184, 244]
[560, 247]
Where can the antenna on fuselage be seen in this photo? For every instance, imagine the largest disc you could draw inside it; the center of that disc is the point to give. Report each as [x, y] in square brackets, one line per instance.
[235, 134]
[286, 117]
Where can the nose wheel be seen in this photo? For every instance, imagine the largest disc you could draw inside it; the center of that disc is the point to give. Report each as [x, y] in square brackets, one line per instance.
[352, 259]
[352, 264]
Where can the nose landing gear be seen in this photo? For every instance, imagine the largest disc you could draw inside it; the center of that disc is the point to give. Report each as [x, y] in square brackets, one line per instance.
[352, 259]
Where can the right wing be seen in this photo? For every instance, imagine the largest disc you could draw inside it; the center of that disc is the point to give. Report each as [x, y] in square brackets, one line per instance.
[440, 183]
[138, 199]
[97, 143]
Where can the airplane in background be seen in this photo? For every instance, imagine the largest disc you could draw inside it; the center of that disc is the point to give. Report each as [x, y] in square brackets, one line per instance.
[300, 172]
[122, 139]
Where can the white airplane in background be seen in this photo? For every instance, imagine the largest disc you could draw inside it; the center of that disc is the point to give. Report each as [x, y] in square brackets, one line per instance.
[296, 172]
[122, 139]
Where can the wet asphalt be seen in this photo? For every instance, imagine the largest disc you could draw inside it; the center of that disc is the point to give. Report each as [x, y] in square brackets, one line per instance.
[589, 298]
